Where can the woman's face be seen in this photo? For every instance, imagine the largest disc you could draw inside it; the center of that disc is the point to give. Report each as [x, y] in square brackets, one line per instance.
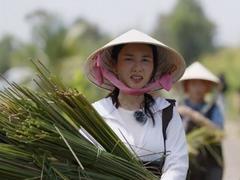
[197, 89]
[135, 65]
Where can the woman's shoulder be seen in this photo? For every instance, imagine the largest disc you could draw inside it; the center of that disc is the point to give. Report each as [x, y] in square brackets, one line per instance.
[161, 103]
[102, 102]
[104, 105]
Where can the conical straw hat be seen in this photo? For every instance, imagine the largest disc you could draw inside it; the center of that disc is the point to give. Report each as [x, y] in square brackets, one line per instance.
[169, 60]
[197, 71]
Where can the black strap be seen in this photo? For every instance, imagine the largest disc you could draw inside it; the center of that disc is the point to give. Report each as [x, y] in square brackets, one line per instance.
[167, 114]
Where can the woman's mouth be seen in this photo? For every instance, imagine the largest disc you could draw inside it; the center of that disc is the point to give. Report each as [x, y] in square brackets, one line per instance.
[136, 78]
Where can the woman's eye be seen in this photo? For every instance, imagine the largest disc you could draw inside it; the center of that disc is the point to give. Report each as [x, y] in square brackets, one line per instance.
[145, 60]
[128, 59]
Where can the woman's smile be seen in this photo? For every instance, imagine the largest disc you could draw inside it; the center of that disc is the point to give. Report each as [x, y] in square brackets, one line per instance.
[136, 78]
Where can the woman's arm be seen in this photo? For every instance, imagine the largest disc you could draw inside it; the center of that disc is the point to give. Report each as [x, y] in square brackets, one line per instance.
[196, 117]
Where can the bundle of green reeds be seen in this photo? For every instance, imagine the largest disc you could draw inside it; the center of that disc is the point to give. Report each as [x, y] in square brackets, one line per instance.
[202, 139]
[42, 139]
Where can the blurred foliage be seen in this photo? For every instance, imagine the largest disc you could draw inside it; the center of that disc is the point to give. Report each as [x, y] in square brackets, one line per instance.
[225, 61]
[67, 48]
[58, 41]
[59, 46]
[25, 52]
[48, 33]
[6, 48]
[89, 90]
[73, 75]
[83, 37]
[187, 29]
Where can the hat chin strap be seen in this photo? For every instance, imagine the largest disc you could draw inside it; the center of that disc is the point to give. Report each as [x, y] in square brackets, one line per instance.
[100, 72]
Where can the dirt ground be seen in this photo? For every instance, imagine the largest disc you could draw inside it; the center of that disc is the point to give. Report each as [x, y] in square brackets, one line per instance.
[231, 146]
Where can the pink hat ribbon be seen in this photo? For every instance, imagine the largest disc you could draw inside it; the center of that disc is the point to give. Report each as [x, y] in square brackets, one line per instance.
[100, 73]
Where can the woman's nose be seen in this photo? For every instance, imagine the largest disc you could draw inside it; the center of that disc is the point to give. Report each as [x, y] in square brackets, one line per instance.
[137, 67]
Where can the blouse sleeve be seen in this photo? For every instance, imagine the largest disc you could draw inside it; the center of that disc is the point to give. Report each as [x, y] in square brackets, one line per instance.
[176, 163]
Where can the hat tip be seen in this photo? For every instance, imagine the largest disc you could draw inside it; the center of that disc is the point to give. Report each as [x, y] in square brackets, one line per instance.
[134, 30]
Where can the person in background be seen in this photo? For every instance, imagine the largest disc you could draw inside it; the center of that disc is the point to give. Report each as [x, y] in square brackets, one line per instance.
[222, 89]
[131, 67]
[197, 82]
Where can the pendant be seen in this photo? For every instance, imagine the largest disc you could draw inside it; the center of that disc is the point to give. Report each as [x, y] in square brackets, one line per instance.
[140, 116]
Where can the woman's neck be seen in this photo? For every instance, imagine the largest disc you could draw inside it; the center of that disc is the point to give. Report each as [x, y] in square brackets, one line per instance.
[130, 102]
[195, 101]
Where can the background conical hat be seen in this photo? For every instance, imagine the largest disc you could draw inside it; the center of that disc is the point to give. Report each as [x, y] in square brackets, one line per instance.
[198, 71]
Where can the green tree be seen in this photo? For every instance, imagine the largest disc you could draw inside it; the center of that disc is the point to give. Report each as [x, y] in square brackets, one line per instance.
[225, 61]
[63, 49]
[187, 29]
[6, 49]
[83, 37]
[66, 47]
[48, 33]
[22, 55]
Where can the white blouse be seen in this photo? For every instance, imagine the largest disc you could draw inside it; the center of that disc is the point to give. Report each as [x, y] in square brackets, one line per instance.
[147, 140]
[137, 133]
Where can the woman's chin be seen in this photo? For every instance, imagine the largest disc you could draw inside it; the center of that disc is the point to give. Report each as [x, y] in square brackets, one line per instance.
[136, 86]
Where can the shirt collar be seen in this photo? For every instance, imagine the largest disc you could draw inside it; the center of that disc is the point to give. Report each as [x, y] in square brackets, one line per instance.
[107, 110]
[195, 106]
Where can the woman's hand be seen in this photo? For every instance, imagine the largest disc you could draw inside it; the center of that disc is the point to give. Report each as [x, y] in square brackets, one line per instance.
[195, 116]
[185, 111]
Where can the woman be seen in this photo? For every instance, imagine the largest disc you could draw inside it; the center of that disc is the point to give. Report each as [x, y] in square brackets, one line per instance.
[131, 67]
[197, 82]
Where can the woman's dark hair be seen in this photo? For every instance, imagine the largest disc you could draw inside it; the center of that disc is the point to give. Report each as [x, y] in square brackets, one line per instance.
[148, 99]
